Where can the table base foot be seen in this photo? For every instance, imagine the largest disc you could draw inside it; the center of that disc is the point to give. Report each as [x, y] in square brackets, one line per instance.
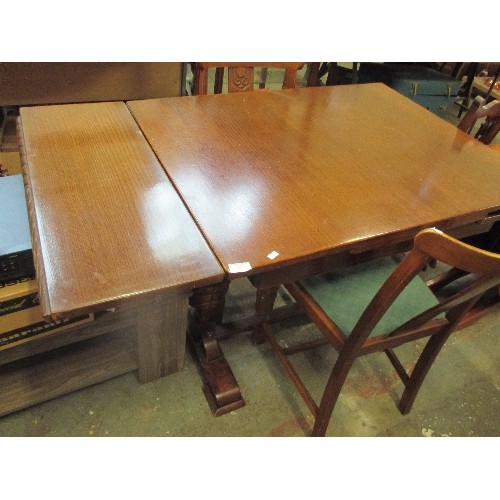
[215, 405]
[220, 387]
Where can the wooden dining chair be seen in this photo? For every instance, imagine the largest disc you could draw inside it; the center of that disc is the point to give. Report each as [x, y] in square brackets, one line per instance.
[240, 75]
[486, 133]
[479, 110]
[381, 305]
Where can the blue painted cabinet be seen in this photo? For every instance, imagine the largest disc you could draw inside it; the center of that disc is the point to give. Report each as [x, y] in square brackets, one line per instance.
[429, 88]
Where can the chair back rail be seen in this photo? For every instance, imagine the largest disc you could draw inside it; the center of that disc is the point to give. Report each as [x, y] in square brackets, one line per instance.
[240, 75]
[488, 130]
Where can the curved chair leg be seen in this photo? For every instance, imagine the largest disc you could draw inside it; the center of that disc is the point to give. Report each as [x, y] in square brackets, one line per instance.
[331, 394]
[429, 354]
[424, 363]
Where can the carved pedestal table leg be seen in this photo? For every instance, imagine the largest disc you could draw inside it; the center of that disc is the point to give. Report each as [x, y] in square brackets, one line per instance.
[264, 303]
[220, 386]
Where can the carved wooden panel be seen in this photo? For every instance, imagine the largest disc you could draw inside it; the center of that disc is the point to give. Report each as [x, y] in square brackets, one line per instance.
[240, 79]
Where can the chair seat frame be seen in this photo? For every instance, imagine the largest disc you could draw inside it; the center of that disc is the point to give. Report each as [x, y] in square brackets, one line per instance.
[429, 245]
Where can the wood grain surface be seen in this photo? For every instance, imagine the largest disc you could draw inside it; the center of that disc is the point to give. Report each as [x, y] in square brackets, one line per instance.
[107, 224]
[314, 171]
[27, 83]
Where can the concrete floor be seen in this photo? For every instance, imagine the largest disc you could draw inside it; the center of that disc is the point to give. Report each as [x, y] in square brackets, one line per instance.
[460, 397]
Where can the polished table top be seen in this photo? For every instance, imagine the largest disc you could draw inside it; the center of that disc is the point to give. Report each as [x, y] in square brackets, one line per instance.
[107, 224]
[306, 172]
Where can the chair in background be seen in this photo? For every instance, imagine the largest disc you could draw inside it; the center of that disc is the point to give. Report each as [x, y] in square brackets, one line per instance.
[486, 133]
[381, 305]
[241, 75]
[480, 110]
[219, 79]
[335, 74]
[241, 79]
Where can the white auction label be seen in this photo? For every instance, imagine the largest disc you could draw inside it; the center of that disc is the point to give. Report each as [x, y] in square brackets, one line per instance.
[240, 267]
